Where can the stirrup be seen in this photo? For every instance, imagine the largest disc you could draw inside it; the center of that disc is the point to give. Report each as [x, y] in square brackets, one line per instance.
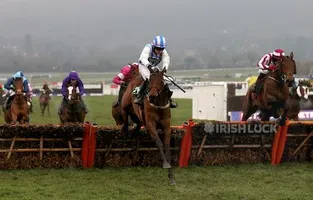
[173, 104]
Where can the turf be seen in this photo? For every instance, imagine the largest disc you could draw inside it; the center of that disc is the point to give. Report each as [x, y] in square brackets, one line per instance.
[289, 181]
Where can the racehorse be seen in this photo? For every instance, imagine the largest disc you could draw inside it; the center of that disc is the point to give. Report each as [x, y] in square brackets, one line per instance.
[18, 110]
[44, 102]
[301, 92]
[273, 97]
[117, 110]
[154, 114]
[72, 111]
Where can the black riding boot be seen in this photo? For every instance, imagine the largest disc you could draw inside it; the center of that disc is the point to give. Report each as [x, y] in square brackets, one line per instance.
[120, 95]
[173, 104]
[258, 84]
[141, 92]
[7, 102]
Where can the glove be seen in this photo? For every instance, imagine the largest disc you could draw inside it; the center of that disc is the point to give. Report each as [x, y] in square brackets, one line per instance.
[149, 67]
[164, 69]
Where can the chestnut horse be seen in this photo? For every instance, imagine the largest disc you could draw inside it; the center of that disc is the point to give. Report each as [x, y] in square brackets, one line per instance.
[154, 114]
[301, 92]
[72, 112]
[273, 97]
[18, 110]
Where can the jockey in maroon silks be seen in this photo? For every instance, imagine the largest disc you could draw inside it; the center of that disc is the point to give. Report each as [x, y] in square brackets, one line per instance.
[267, 63]
[123, 79]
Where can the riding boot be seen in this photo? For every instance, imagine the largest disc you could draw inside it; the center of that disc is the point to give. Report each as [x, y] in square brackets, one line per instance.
[7, 102]
[120, 95]
[173, 104]
[258, 84]
[141, 92]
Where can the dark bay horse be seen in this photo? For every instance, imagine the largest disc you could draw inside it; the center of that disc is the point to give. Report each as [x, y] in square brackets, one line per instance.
[298, 94]
[273, 97]
[44, 101]
[117, 109]
[18, 110]
[73, 111]
[154, 114]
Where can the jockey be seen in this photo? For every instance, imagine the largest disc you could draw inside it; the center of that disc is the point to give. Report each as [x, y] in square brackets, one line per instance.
[151, 55]
[72, 78]
[45, 88]
[9, 86]
[268, 63]
[123, 79]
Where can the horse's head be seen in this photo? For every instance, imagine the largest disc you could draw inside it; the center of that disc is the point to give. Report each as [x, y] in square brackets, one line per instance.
[18, 85]
[287, 68]
[156, 84]
[72, 94]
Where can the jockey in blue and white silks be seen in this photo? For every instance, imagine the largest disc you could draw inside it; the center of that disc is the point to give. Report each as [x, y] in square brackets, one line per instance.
[152, 55]
[9, 86]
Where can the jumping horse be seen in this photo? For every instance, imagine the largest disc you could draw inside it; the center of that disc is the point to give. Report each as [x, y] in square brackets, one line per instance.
[274, 95]
[18, 111]
[72, 111]
[154, 113]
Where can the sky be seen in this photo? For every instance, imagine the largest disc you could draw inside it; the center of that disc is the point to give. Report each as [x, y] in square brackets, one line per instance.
[112, 23]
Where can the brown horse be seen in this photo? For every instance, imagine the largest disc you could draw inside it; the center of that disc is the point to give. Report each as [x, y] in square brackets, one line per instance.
[273, 97]
[116, 106]
[72, 112]
[301, 92]
[44, 100]
[18, 111]
[154, 114]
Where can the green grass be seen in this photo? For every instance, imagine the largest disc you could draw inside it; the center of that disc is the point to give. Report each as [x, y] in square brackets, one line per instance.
[100, 111]
[257, 182]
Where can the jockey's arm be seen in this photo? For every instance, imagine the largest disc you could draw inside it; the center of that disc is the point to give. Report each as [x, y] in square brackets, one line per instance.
[166, 60]
[264, 62]
[81, 87]
[8, 84]
[26, 88]
[144, 56]
[118, 79]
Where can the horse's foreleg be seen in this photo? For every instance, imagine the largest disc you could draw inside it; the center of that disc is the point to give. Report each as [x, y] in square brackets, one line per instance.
[167, 145]
[13, 118]
[151, 128]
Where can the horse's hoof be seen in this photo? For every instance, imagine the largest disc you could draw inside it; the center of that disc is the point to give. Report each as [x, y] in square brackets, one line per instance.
[282, 122]
[166, 165]
[172, 182]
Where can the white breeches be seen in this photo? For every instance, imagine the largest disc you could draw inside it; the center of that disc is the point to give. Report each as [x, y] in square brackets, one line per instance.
[263, 71]
[144, 72]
